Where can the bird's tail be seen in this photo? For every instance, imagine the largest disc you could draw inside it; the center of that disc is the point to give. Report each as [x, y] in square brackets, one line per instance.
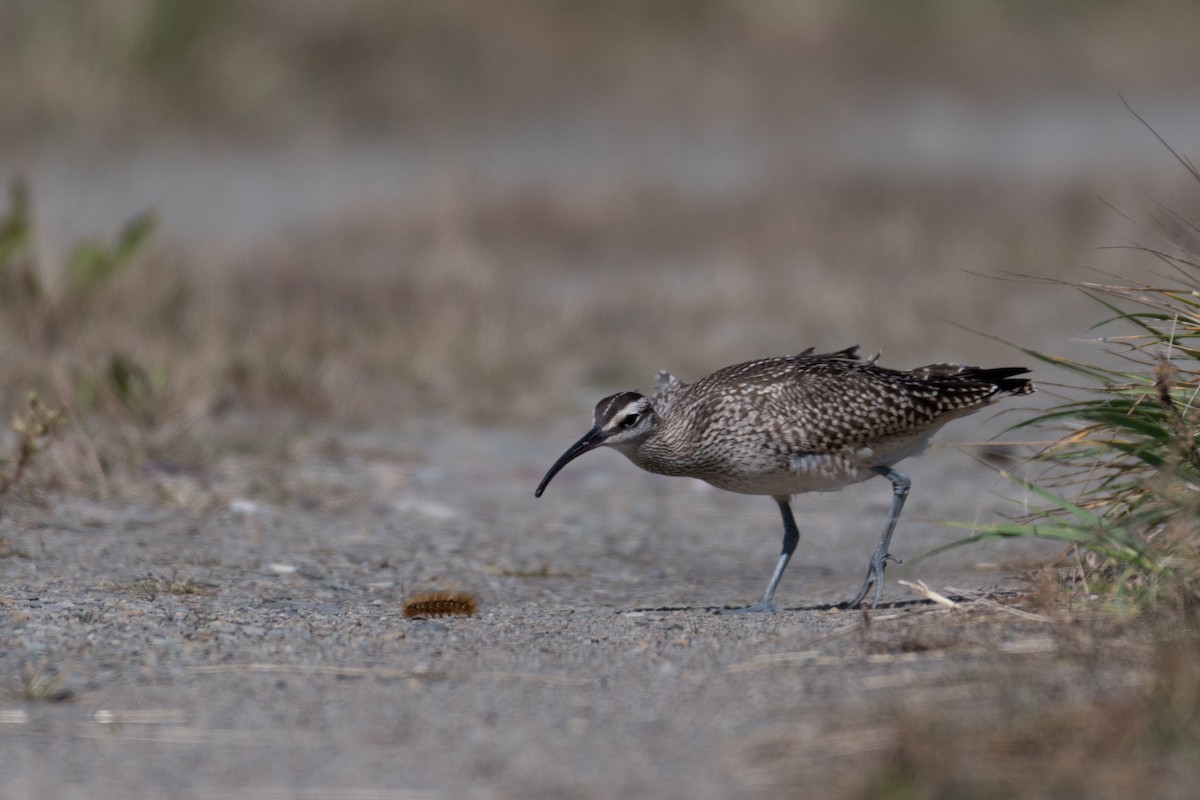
[1003, 378]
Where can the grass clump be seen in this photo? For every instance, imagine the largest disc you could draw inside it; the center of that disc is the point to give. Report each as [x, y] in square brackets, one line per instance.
[1121, 483]
[89, 265]
[37, 683]
[33, 428]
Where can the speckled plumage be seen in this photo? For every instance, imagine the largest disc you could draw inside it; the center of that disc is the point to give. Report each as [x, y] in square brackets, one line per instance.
[803, 423]
[793, 424]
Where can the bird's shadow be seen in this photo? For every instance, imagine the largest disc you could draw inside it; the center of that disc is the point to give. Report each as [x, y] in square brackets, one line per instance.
[896, 604]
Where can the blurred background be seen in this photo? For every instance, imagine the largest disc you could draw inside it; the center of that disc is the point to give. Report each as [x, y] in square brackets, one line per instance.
[371, 212]
[323, 286]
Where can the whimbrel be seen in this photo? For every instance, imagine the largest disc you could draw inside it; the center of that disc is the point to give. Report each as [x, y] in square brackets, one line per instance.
[794, 424]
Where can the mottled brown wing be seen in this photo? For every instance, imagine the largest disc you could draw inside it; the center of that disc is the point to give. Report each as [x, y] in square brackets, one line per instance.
[825, 403]
[834, 404]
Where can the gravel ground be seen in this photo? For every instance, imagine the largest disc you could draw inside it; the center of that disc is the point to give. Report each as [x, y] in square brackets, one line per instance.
[244, 636]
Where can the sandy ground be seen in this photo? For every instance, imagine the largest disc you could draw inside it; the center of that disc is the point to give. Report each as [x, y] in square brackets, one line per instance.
[245, 637]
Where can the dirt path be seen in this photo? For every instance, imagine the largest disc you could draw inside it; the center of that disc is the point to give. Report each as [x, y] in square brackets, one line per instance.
[244, 638]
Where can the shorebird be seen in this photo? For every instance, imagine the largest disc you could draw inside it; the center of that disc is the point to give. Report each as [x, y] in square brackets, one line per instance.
[793, 424]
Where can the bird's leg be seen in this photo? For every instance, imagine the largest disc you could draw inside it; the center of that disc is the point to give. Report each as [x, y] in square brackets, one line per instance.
[791, 537]
[900, 484]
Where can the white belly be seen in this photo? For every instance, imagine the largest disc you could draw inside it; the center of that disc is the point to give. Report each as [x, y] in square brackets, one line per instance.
[805, 473]
[754, 467]
[817, 472]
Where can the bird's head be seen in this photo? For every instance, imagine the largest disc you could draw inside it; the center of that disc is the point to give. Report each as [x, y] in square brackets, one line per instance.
[621, 420]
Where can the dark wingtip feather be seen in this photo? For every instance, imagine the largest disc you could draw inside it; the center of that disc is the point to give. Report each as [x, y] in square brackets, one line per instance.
[849, 354]
[1003, 378]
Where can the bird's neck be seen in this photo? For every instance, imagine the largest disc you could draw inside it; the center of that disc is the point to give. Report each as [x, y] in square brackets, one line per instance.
[659, 454]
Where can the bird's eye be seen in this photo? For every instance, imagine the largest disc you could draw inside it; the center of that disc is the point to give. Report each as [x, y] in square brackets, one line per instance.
[630, 421]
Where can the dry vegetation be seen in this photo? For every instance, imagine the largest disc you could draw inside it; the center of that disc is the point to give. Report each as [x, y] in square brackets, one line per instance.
[264, 67]
[1118, 483]
[504, 304]
[1034, 737]
[1119, 478]
[1071, 703]
[505, 308]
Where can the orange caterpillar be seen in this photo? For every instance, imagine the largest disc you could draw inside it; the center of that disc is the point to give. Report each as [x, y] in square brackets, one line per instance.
[440, 604]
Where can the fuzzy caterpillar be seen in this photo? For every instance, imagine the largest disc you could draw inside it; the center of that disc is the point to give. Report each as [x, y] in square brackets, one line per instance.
[440, 604]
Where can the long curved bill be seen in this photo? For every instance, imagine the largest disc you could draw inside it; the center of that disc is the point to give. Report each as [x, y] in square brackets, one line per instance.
[590, 441]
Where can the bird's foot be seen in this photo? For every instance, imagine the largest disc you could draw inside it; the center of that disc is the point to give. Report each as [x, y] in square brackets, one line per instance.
[874, 578]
